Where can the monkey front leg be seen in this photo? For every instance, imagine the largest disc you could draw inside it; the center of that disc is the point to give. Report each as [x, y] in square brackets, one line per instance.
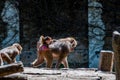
[58, 64]
[61, 58]
[65, 63]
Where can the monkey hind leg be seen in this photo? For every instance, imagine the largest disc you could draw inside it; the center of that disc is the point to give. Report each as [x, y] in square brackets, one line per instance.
[63, 60]
[6, 57]
[65, 63]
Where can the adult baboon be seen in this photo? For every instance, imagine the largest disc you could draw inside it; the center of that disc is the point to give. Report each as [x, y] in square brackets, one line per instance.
[57, 50]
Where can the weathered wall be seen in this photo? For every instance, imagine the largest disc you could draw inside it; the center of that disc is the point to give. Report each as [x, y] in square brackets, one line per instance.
[96, 32]
[2, 24]
[10, 16]
[109, 15]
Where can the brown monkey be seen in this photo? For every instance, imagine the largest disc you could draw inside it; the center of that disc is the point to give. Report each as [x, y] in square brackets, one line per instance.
[57, 50]
[8, 54]
[42, 48]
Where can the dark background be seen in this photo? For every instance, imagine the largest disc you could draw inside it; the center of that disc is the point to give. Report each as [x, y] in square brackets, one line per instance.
[61, 18]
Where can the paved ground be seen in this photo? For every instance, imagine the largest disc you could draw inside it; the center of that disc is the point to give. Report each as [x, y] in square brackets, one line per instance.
[61, 74]
[67, 74]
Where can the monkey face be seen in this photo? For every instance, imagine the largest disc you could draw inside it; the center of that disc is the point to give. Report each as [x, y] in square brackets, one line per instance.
[72, 41]
[18, 46]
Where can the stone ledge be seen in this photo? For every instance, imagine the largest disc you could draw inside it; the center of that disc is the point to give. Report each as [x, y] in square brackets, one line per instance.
[65, 74]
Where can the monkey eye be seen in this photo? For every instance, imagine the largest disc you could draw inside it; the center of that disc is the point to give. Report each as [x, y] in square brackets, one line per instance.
[71, 41]
[73, 45]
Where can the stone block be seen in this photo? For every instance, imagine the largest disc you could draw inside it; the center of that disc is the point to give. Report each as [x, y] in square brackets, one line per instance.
[106, 60]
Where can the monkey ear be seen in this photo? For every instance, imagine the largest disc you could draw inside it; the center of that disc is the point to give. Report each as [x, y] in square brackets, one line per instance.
[73, 42]
[41, 36]
[41, 39]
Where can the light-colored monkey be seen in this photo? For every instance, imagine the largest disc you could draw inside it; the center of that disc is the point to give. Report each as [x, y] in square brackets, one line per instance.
[8, 54]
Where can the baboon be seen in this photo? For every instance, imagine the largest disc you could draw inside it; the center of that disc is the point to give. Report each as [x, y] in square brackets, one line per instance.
[57, 50]
[8, 54]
